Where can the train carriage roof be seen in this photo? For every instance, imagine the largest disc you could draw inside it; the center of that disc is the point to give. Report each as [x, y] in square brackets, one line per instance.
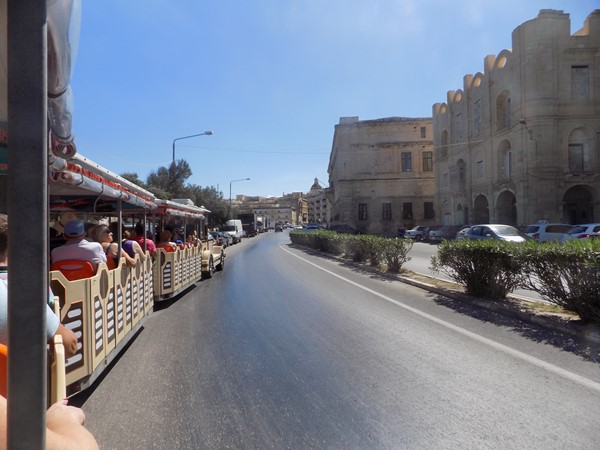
[80, 184]
[179, 209]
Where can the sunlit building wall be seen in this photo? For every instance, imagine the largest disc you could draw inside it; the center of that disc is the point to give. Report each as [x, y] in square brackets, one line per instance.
[381, 174]
[520, 141]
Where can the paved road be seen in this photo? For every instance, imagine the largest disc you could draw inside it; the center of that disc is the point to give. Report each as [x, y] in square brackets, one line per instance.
[288, 350]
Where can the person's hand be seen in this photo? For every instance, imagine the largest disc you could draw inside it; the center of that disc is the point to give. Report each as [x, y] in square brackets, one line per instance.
[61, 414]
[65, 430]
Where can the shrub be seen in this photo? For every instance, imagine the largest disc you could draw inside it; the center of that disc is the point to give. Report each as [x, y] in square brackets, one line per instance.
[485, 268]
[395, 253]
[367, 247]
[567, 275]
[357, 248]
[331, 242]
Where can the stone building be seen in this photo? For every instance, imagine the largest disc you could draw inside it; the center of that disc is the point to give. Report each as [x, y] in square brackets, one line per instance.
[318, 204]
[381, 175]
[520, 141]
[289, 208]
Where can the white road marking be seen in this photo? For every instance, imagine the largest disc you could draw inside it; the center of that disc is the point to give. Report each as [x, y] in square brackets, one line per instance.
[503, 348]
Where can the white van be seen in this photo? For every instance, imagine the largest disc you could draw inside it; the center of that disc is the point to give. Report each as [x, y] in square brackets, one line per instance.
[234, 229]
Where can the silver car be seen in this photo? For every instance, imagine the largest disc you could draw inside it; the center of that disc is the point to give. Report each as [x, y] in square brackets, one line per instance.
[497, 232]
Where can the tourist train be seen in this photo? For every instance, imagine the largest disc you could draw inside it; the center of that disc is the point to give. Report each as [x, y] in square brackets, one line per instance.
[106, 307]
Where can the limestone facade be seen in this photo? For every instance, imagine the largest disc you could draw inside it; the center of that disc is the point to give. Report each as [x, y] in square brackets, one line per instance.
[381, 174]
[520, 142]
[318, 204]
[289, 208]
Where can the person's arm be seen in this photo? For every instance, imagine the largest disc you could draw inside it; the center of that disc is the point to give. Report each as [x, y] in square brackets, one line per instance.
[54, 327]
[65, 430]
[69, 340]
[137, 248]
[129, 261]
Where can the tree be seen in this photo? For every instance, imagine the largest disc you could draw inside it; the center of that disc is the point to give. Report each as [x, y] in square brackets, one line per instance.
[134, 178]
[211, 199]
[170, 180]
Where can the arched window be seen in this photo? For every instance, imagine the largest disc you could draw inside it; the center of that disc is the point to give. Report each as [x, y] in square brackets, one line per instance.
[503, 112]
[444, 147]
[581, 156]
[460, 164]
[505, 162]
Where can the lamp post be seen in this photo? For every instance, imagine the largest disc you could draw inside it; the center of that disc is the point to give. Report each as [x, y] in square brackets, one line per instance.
[233, 181]
[206, 133]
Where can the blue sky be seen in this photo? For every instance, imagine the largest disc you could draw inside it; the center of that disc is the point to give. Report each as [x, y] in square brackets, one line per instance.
[271, 78]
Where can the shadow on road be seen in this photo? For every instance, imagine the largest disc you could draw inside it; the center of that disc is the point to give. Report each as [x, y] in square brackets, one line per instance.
[571, 343]
[502, 313]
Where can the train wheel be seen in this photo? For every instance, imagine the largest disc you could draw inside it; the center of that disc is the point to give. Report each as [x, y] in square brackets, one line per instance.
[221, 264]
[211, 268]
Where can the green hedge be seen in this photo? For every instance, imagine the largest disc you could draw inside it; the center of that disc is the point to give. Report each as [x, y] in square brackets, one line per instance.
[361, 248]
[485, 268]
[567, 275]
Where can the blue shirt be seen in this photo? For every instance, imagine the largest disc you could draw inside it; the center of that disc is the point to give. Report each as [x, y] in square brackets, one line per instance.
[51, 320]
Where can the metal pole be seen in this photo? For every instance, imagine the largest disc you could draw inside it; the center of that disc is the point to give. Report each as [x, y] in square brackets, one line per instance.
[233, 181]
[27, 207]
[205, 133]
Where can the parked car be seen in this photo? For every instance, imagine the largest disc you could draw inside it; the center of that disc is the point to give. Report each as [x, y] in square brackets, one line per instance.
[460, 234]
[416, 233]
[543, 231]
[343, 229]
[583, 231]
[312, 227]
[445, 232]
[226, 238]
[497, 232]
[434, 234]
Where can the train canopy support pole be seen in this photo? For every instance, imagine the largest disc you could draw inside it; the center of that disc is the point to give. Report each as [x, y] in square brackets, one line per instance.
[28, 222]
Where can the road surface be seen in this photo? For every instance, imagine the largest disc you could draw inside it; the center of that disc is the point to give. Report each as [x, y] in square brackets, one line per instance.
[286, 349]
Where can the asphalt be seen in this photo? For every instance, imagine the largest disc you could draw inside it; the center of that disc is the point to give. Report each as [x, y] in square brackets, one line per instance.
[514, 306]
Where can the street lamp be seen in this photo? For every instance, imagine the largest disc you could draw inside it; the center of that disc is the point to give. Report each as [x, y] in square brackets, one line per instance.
[233, 181]
[206, 133]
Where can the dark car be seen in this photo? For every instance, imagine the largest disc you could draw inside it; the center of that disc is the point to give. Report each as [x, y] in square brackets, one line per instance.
[278, 228]
[312, 227]
[446, 232]
[343, 229]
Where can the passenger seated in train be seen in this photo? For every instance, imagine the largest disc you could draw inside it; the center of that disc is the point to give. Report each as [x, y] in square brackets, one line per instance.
[77, 247]
[131, 247]
[53, 325]
[191, 240]
[64, 427]
[102, 234]
[139, 237]
[165, 241]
